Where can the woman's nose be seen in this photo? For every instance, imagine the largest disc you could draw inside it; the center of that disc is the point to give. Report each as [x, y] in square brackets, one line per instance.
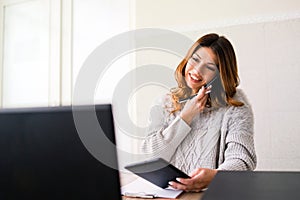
[199, 68]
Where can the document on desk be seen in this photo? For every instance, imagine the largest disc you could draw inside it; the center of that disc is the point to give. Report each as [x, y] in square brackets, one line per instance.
[144, 189]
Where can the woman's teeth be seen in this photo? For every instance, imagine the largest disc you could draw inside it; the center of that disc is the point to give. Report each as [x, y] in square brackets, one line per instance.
[194, 77]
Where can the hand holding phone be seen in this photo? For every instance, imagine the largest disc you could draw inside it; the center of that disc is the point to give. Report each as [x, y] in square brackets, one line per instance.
[206, 86]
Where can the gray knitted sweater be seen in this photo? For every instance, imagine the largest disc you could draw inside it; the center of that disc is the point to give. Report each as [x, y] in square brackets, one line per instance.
[218, 138]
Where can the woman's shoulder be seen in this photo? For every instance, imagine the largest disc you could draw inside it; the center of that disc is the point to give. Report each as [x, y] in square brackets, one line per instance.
[240, 116]
[239, 111]
[241, 96]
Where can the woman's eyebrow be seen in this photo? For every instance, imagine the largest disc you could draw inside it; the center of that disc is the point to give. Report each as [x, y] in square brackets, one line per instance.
[212, 64]
[207, 63]
[197, 55]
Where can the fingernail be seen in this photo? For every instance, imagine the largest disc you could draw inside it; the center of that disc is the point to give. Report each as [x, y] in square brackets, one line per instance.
[170, 183]
[208, 91]
[178, 179]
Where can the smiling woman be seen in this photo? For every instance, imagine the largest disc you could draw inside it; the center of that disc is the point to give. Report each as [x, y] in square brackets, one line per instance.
[213, 130]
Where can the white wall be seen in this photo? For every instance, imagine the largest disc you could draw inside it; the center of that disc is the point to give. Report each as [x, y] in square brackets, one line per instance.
[191, 13]
[269, 72]
[266, 38]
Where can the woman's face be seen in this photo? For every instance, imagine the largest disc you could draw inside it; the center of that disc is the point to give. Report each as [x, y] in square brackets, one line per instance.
[201, 68]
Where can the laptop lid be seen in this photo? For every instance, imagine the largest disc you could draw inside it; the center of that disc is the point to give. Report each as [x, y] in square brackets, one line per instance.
[254, 185]
[42, 156]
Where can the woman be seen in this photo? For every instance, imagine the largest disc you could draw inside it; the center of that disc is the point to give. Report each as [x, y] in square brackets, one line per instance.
[212, 130]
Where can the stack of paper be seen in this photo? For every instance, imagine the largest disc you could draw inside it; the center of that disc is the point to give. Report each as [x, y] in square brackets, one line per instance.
[143, 188]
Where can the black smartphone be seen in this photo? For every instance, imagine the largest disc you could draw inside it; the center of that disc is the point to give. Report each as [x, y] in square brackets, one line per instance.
[205, 86]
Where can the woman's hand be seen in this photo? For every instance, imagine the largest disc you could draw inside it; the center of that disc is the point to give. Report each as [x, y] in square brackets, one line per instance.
[199, 180]
[195, 105]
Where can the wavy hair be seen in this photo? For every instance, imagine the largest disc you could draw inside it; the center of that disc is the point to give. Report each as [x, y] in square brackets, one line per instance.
[227, 66]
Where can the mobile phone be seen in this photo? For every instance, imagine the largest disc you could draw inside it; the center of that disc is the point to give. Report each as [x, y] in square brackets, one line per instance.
[205, 86]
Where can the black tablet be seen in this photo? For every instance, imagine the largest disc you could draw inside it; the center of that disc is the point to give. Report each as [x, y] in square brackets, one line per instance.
[158, 171]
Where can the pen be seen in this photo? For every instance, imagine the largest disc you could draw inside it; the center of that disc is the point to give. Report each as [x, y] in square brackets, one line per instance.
[140, 195]
[206, 86]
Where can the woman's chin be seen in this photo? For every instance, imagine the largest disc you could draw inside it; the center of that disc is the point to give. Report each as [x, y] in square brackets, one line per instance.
[195, 88]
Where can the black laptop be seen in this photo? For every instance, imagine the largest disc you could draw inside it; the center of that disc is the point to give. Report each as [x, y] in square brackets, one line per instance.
[43, 157]
[254, 185]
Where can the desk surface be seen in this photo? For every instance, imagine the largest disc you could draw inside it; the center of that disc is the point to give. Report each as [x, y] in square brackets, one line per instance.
[258, 185]
[244, 185]
[127, 178]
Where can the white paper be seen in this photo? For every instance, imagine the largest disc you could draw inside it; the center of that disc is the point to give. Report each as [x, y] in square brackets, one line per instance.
[141, 187]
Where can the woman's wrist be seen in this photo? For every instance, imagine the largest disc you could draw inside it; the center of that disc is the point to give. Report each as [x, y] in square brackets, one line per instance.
[187, 118]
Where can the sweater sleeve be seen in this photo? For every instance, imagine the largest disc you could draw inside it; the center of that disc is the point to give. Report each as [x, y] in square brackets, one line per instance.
[239, 142]
[164, 133]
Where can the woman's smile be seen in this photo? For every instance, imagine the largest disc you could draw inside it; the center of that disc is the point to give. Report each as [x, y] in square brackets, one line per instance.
[195, 79]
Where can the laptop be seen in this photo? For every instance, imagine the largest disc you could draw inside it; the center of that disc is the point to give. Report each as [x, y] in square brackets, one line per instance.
[254, 185]
[43, 157]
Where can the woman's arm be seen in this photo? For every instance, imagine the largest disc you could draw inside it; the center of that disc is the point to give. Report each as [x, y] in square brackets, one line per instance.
[163, 137]
[163, 134]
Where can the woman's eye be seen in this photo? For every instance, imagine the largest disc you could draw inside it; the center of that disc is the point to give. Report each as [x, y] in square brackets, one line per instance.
[195, 59]
[210, 68]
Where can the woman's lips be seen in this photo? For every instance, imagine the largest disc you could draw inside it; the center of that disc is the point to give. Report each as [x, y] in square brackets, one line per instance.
[195, 78]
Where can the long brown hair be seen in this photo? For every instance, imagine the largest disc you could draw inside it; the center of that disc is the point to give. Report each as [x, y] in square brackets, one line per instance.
[227, 66]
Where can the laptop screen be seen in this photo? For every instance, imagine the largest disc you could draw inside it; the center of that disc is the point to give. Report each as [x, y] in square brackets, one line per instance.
[42, 156]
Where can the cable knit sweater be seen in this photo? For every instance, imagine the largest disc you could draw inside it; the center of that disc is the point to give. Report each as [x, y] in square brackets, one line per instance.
[218, 138]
